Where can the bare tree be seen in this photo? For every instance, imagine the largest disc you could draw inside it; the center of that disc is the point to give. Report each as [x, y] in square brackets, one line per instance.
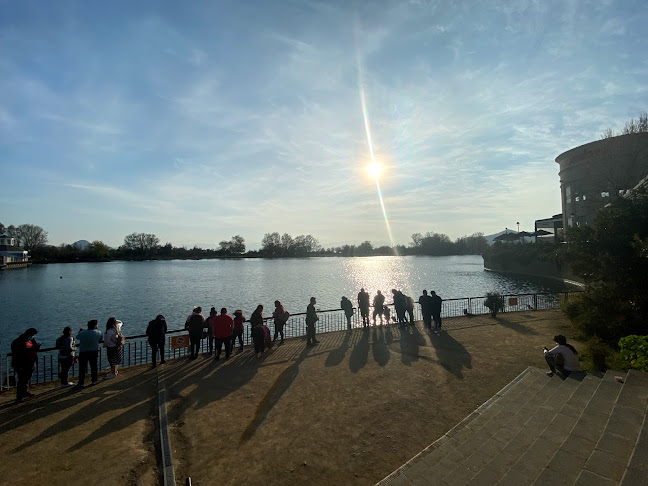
[31, 236]
[144, 243]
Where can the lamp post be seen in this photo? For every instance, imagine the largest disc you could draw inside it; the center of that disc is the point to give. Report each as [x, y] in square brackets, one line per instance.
[518, 225]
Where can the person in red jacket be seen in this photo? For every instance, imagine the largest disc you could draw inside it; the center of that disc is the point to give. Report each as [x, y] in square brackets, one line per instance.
[221, 327]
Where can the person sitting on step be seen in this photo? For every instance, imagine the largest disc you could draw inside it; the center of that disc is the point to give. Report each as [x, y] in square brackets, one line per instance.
[563, 358]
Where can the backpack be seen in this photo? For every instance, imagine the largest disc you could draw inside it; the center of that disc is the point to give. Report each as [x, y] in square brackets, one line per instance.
[285, 316]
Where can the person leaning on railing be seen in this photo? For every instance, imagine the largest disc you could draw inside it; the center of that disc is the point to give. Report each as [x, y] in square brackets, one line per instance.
[88, 341]
[66, 348]
[23, 359]
[156, 333]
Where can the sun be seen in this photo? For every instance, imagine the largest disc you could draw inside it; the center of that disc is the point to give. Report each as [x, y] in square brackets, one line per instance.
[374, 169]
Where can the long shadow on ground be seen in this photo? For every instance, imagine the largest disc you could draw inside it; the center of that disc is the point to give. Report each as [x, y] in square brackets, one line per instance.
[336, 356]
[514, 326]
[133, 395]
[360, 352]
[379, 347]
[452, 355]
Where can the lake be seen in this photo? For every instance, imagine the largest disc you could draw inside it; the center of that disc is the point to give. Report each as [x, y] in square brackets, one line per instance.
[50, 297]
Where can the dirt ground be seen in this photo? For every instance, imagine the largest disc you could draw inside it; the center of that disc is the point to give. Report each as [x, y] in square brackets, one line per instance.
[347, 411]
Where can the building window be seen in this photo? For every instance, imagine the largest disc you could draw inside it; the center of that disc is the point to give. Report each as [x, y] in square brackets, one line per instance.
[584, 197]
[605, 194]
[577, 198]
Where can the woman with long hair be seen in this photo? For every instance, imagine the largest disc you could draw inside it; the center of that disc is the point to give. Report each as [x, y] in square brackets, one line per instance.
[563, 358]
[280, 318]
[113, 345]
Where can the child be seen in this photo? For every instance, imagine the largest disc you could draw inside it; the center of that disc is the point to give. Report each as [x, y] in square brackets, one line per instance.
[386, 313]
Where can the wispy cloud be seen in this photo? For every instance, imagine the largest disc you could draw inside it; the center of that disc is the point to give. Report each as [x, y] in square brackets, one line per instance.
[234, 120]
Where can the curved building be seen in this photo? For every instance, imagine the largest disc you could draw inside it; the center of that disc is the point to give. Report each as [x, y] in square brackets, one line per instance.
[594, 174]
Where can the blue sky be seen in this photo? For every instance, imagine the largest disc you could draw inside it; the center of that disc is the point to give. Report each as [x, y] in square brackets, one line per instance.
[199, 120]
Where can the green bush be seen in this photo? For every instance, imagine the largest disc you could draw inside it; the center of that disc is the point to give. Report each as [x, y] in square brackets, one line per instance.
[495, 302]
[634, 351]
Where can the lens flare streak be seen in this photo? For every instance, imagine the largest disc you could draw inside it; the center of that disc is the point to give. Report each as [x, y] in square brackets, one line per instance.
[365, 116]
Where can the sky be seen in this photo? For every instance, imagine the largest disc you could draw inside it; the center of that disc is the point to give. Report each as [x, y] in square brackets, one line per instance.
[201, 120]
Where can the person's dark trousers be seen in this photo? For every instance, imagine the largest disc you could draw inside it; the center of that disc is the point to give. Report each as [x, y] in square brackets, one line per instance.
[85, 358]
[556, 363]
[437, 321]
[219, 344]
[237, 335]
[211, 338]
[154, 350]
[194, 346]
[427, 320]
[278, 331]
[23, 375]
[259, 343]
[64, 369]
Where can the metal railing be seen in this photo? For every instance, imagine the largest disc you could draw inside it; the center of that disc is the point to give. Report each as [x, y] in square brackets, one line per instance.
[137, 350]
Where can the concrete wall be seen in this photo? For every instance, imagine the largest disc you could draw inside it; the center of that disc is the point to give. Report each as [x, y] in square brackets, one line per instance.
[534, 268]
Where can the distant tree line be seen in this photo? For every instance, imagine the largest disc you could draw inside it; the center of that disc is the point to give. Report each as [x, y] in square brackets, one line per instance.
[28, 236]
[146, 246]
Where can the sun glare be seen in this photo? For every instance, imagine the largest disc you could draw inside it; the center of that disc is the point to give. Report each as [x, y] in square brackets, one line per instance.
[374, 169]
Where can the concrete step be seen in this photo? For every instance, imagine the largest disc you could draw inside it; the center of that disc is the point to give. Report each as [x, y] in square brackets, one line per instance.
[532, 437]
[585, 430]
[529, 379]
[490, 441]
[637, 470]
[616, 445]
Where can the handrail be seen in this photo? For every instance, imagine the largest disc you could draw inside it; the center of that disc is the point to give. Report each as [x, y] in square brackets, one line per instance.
[173, 331]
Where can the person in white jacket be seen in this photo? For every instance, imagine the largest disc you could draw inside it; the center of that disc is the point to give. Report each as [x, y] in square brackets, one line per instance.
[563, 358]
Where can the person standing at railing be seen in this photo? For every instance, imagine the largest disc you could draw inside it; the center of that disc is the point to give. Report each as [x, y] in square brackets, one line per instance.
[237, 332]
[257, 332]
[24, 351]
[195, 324]
[65, 346]
[156, 333]
[210, 333]
[399, 306]
[363, 305]
[425, 301]
[280, 317]
[221, 327]
[378, 303]
[311, 319]
[113, 341]
[88, 351]
[347, 307]
[436, 309]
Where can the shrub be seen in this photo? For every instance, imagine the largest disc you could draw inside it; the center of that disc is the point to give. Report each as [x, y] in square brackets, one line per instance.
[495, 302]
[598, 352]
[634, 351]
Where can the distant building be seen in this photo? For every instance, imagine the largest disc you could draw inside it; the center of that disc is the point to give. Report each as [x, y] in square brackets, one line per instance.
[11, 255]
[550, 229]
[593, 174]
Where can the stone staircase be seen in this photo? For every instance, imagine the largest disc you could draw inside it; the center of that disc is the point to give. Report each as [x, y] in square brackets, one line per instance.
[584, 430]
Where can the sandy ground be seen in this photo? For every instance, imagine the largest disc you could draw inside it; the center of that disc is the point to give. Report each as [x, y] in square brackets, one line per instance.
[347, 411]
